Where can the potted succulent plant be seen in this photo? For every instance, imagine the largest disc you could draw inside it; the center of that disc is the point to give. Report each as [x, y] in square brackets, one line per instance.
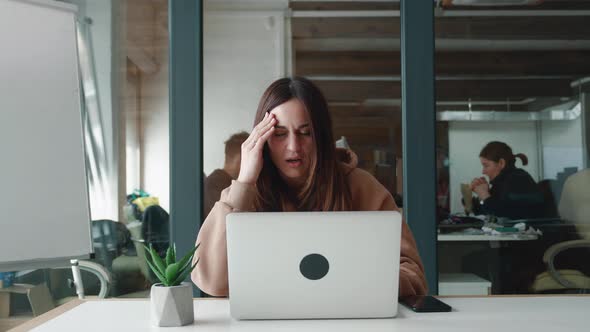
[171, 300]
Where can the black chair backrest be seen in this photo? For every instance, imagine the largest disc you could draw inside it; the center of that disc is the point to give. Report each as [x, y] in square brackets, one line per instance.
[546, 187]
[109, 238]
[156, 228]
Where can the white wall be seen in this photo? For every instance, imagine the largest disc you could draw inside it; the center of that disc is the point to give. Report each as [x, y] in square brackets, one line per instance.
[243, 53]
[155, 153]
[154, 129]
[132, 134]
[100, 12]
[562, 146]
[466, 139]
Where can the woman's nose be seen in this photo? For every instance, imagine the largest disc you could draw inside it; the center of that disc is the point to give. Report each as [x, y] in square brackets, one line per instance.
[293, 143]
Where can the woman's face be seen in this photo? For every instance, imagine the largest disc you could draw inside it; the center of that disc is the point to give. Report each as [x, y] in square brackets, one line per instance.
[291, 146]
[491, 168]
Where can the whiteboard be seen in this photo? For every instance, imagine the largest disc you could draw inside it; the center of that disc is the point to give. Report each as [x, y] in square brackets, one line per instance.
[44, 210]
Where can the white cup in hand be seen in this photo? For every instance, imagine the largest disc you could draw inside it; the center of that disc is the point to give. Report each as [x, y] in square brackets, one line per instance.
[467, 197]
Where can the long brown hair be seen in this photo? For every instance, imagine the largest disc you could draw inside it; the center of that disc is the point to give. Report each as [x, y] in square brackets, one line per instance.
[495, 151]
[325, 188]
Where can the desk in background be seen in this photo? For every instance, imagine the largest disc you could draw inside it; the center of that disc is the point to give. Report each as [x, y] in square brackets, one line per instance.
[493, 314]
[495, 249]
[463, 284]
[486, 237]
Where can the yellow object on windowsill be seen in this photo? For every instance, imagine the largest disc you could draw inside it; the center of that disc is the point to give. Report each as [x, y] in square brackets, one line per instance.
[145, 202]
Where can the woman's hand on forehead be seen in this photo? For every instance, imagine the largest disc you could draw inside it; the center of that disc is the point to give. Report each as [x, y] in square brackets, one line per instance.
[251, 163]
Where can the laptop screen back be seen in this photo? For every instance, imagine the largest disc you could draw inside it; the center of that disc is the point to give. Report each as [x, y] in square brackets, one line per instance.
[313, 264]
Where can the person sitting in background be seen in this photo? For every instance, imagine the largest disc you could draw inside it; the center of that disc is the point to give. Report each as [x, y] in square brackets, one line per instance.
[512, 192]
[290, 163]
[220, 179]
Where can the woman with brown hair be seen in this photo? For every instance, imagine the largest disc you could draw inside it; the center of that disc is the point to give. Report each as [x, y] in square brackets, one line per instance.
[290, 163]
[511, 192]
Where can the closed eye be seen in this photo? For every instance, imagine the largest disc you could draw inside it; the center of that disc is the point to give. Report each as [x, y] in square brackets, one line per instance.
[280, 133]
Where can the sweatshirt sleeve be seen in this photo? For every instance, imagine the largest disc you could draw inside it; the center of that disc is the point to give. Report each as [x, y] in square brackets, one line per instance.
[518, 196]
[412, 279]
[370, 195]
[210, 275]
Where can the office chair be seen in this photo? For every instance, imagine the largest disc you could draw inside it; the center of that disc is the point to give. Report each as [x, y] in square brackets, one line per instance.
[109, 240]
[41, 298]
[99, 271]
[156, 228]
[546, 187]
[153, 229]
[114, 249]
[574, 208]
[108, 271]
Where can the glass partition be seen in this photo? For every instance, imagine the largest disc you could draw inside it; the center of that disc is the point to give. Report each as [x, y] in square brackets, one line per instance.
[514, 164]
[353, 58]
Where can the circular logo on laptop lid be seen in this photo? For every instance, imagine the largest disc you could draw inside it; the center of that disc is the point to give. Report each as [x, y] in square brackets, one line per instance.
[314, 266]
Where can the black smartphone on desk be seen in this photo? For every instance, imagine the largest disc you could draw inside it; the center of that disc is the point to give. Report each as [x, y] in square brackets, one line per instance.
[425, 303]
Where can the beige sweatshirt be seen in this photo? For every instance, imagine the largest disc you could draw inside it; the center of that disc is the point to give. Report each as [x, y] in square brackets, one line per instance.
[367, 195]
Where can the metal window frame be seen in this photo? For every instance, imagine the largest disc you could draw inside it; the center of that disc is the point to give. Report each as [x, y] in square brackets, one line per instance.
[419, 130]
[186, 122]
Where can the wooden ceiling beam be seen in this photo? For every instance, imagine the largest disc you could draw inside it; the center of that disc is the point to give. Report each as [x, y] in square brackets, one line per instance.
[344, 27]
[509, 63]
[360, 91]
[343, 5]
[380, 5]
[142, 58]
[488, 28]
[387, 114]
[545, 5]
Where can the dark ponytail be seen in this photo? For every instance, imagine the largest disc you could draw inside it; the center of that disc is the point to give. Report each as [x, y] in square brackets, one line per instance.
[523, 158]
[495, 151]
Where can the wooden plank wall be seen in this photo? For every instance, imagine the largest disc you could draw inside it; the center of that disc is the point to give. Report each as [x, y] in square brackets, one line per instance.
[356, 63]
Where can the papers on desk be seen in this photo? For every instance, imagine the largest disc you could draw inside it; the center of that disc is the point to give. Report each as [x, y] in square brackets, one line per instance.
[520, 228]
[493, 231]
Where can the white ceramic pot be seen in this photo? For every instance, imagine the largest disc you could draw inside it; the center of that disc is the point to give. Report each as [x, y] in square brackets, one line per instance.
[172, 306]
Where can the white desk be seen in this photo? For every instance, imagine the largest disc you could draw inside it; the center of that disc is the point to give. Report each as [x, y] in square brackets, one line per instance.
[493, 314]
[486, 237]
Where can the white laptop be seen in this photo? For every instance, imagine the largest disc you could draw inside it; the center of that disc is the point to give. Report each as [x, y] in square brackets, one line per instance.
[306, 265]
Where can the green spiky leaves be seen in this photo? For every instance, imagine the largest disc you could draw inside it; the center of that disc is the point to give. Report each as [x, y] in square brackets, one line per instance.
[168, 270]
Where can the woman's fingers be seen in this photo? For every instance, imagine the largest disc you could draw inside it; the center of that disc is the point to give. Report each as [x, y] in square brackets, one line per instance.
[265, 132]
[261, 130]
[247, 144]
[254, 134]
[264, 138]
[270, 124]
[258, 129]
[476, 182]
[251, 162]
